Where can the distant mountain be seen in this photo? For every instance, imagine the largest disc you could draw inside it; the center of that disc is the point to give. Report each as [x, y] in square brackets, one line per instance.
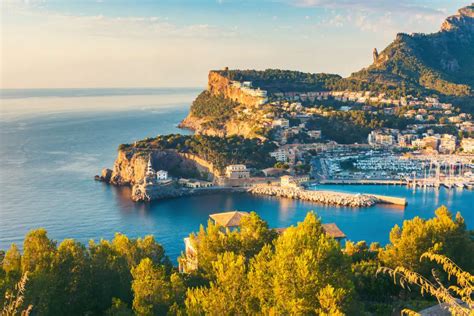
[440, 62]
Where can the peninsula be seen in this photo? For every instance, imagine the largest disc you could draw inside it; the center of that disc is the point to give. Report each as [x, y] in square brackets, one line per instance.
[401, 121]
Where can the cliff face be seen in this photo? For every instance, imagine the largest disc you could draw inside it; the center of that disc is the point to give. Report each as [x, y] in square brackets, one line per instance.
[229, 128]
[220, 85]
[130, 166]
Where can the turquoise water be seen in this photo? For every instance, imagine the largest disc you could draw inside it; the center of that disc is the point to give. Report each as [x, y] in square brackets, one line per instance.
[53, 142]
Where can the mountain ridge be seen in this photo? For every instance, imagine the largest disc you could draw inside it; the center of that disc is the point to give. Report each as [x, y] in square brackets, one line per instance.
[442, 61]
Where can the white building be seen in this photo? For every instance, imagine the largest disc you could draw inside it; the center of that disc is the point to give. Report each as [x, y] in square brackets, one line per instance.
[314, 134]
[237, 172]
[282, 122]
[161, 175]
[467, 145]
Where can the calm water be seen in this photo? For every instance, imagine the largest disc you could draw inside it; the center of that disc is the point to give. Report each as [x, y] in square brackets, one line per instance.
[52, 143]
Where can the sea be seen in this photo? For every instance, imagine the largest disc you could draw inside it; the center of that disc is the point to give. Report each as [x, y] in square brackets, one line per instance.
[53, 142]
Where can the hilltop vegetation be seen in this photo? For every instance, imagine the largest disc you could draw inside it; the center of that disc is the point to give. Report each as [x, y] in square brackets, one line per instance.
[220, 151]
[441, 62]
[214, 107]
[251, 271]
[276, 80]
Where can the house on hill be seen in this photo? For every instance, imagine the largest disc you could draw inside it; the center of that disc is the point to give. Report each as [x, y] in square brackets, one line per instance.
[188, 262]
[229, 220]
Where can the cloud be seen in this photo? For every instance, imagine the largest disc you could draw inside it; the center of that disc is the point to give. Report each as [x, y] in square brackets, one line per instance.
[106, 26]
[368, 5]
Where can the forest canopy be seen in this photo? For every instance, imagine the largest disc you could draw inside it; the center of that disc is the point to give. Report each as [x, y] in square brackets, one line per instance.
[249, 271]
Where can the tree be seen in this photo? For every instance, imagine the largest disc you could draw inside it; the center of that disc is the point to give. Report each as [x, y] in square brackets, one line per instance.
[248, 240]
[110, 276]
[72, 277]
[441, 234]
[119, 308]
[227, 295]
[288, 279]
[38, 251]
[331, 301]
[253, 235]
[38, 256]
[12, 260]
[151, 289]
[306, 260]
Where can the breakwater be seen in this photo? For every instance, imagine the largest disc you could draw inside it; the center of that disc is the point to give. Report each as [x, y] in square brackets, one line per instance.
[322, 197]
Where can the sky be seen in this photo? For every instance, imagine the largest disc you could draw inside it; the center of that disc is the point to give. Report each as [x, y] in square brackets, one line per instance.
[174, 43]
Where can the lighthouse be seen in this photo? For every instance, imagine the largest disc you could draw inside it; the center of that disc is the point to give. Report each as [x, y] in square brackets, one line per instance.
[150, 174]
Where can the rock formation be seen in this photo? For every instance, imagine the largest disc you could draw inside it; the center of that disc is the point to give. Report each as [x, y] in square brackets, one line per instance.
[375, 54]
[130, 165]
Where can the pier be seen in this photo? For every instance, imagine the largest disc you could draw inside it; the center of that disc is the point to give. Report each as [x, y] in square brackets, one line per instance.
[384, 199]
[363, 181]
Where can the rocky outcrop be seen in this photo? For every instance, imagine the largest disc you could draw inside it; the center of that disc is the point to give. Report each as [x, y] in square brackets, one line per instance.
[148, 193]
[462, 21]
[232, 127]
[322, 197]
[440, 61]
[130, 165]
[145, 193]
[219, 85]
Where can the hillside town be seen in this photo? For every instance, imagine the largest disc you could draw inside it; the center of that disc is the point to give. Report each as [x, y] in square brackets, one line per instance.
[435, 147]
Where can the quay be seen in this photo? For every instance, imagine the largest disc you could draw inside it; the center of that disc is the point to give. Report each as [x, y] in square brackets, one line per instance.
[384, 199]
[363, 181]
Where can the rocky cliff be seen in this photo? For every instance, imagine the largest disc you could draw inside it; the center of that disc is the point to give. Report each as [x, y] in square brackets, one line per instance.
[215, 112]
[218, 84]
[441, 61]
[130, 166]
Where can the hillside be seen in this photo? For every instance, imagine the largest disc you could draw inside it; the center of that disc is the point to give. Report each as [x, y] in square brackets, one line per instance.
[277, 80]
[442, 62]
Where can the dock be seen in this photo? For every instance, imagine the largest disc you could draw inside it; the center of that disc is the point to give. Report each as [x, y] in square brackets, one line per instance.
[390, 199]
[364, 181]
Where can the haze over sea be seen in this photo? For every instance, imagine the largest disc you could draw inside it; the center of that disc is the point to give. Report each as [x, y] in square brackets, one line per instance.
[52, 143]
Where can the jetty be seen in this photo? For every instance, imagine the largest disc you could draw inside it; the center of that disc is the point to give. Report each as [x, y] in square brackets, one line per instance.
[363, 181]
[326, 197]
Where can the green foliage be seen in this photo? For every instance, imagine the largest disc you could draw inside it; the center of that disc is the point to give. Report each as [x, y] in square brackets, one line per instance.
[74, 280]
[228, 294]
[38, 251]
[277, 80]
[246, 271]
[353, 126]
[207, 105]
[220, 151]
[12, 260]
[247, 241]
[418, 64]
[118, 308]
[302, 272]
[441, 234]
[304, 262]
[151, 289]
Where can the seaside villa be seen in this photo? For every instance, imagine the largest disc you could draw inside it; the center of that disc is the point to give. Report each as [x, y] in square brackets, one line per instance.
[231, 220]
[237, 172]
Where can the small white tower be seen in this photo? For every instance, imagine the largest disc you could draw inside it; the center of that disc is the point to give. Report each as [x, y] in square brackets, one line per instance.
[150, 175]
